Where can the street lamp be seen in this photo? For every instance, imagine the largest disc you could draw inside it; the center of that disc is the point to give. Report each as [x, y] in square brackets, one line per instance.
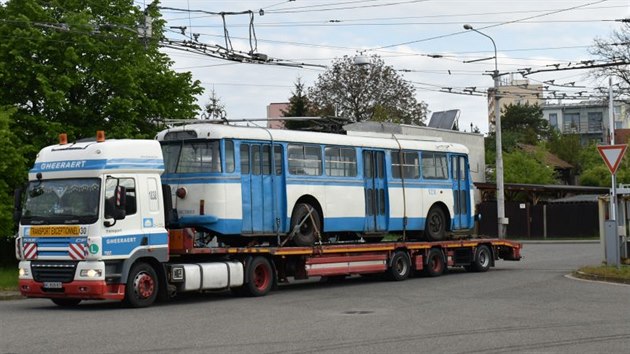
[501, 219]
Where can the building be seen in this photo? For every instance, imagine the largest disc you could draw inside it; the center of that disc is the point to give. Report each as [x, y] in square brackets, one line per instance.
[513, 92]
[274, 110]
[589, 119]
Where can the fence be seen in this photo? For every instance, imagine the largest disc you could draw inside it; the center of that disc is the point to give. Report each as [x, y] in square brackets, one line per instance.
[554, 220]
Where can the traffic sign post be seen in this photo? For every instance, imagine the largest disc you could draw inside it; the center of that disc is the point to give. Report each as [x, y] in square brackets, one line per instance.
[612, 155]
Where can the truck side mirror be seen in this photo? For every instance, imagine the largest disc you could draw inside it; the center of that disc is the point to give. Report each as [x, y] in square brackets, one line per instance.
[17, 205]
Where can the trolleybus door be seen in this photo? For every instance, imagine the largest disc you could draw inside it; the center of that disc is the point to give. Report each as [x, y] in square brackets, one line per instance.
[256, 188]
[375, 191]
[461, 192]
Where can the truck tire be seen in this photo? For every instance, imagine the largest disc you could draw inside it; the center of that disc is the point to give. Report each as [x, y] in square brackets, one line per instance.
[435, 265]
[482, 260]
[66, 302]
[260, 278]
[435, 225]
[142, 286]
[306, 234]
[400, 266]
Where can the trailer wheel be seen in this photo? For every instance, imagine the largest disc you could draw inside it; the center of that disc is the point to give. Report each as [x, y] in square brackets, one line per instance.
[66, 302]
[306, 234]
[435, 263]
[400, 267]
[260, 277]
[142, 286]
[482, 260]
[435, 226]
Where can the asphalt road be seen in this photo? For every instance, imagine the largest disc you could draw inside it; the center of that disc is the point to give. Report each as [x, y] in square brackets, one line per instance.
[528, 306]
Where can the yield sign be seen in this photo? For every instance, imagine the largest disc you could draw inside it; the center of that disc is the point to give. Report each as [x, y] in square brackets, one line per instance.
[612, 155]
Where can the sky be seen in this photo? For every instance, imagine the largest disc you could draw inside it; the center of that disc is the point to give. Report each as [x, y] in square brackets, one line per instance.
[424, 40]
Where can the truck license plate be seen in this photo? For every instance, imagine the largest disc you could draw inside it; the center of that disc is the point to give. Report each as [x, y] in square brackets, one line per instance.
[52, 284]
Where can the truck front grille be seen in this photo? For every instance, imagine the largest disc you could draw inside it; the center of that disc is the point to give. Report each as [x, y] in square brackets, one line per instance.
[53, 271]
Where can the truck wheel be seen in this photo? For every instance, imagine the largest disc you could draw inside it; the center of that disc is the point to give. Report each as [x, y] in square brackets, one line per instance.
[305, 236]
[435, 263]
[435, 225]
[260, 277]
[400, 267]
[483, 258]
[142, 286]
[66, 302]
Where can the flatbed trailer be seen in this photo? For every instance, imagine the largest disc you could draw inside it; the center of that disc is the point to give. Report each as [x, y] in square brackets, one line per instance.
[265, 267]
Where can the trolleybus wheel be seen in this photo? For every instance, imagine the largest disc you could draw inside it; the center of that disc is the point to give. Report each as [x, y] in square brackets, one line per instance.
[142, 286]
[306, 234]
[66, 302]
[435, 227]
[260, 277]
[400, 267]
[435, 263]
[482, 260]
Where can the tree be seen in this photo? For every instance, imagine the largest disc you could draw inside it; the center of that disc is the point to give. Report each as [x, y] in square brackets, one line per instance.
[215, 109]
[12, 171]
[614, 49]
[521, 167]
[525, 123]
[367, 92]
[80, 66]
[299, 106]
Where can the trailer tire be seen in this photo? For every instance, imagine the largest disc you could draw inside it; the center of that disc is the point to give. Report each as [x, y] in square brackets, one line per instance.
[435, 225]
[142, 286]
[306, 234]
[66, 302]
[260, 278]
[435, 263]
[482, 260]
[400, 266]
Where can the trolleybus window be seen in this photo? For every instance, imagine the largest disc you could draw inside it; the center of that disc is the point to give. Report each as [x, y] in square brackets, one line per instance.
[197, 157]
[244, 158]
[434, 165]
[340, 162]
[410, 165]
[305, 160]
[229, 156]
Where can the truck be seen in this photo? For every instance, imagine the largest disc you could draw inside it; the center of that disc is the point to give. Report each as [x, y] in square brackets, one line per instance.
[96, 222]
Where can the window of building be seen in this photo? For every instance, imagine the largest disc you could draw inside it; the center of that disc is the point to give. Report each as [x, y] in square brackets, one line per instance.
[305, 160]
[553, 120]
[594, 122]
[434, 165]
[340, 162]
[410, 165]
[571, 123]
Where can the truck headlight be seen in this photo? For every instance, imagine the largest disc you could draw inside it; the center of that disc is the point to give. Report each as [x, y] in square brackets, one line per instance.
[91, 273]
[23, 272]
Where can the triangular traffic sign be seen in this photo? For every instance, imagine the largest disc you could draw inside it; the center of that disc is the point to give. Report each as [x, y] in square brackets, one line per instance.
[612, 155]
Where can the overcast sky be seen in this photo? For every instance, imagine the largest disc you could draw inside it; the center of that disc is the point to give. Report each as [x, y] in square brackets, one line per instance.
[424, 40]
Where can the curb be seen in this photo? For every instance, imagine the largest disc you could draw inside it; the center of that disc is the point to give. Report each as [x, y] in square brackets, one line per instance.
[599, 278]
[10, 295]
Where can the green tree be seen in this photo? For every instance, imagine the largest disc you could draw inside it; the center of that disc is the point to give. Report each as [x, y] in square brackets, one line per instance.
[12, 171]
[81, 66]
[373, 91]
[299, 106]
[566, 147]
[214, 109]
[525, 123]
[521, 167]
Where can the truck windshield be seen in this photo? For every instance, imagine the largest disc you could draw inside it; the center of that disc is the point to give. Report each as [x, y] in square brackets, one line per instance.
[62, 201]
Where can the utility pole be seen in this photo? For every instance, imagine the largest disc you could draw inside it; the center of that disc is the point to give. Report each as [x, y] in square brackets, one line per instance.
[501, 219]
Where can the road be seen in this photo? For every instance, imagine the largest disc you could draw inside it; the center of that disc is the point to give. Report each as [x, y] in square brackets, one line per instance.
[528, 306]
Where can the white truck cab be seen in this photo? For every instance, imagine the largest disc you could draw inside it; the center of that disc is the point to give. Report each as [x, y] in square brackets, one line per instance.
[91, 210]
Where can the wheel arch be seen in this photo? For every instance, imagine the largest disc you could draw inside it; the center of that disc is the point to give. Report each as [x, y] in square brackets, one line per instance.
[447, 213]
[312, 201]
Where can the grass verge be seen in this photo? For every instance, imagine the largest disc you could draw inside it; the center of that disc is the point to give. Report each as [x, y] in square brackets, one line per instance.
[8, 278]
[605, 273]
